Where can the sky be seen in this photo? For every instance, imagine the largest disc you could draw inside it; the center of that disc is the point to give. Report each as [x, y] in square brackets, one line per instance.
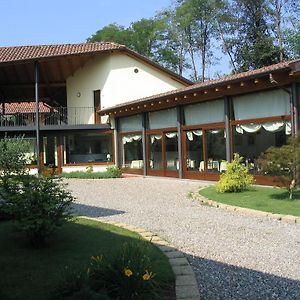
[32, 22]
[38, 22]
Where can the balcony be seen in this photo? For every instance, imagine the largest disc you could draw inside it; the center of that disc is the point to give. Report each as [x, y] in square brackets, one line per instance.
[52, 117]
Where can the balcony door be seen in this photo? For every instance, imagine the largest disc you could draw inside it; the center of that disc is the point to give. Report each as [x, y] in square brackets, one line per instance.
[162, 154]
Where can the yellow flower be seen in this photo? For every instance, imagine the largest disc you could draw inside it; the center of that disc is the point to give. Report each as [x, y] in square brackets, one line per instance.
[96, 258]
[128, 272]
[147, 276]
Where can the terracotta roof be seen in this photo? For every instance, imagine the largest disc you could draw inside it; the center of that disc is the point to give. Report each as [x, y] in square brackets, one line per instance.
[24, 107]
[30, 53]
[18, 53]
[211, 83]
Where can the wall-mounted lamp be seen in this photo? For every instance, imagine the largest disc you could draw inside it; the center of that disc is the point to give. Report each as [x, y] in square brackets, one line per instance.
[78, 94]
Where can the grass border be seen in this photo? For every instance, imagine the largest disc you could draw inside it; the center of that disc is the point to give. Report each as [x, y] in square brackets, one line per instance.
[248, 211]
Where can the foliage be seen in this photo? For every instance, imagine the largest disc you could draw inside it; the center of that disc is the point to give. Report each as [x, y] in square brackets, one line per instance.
[283, 162]
[111, 172]
[13, 158]
[236, 178]
[128, 274]
[39, 204]
[187, 36]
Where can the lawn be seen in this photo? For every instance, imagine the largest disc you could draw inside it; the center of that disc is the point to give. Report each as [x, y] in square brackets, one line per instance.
[272, 200]
[32, 274]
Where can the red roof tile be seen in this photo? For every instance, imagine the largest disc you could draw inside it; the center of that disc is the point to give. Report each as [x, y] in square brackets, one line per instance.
[17, 53]
[24, 107]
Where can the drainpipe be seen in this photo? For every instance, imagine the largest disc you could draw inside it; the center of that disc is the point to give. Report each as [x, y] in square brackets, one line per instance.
[37, 119]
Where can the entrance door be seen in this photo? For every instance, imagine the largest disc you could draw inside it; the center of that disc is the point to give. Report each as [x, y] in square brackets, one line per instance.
[162, 155]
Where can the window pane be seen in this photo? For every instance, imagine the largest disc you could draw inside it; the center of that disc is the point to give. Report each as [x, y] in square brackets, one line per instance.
[253, 139]
[216, 149]
[88, 148]
[261, 104]
[132, 123]
[163, 118]
[155, 152]
[171, 141]
[204, 113]
[132, 151]
[194, 150]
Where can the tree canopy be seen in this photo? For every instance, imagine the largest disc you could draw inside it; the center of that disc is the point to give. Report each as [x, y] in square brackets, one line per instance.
[188, 36]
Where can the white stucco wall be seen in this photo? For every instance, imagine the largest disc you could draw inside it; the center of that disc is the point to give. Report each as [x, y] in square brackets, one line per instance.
[114, 75]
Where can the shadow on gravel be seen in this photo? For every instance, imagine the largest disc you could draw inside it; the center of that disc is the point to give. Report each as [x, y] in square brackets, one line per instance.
[94, 211]
[222, 281]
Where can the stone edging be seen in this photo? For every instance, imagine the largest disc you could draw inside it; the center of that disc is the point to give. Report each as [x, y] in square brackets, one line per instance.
[252, 212]
[185, 285]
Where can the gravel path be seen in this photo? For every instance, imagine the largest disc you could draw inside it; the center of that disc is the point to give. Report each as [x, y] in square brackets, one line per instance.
[234, 256]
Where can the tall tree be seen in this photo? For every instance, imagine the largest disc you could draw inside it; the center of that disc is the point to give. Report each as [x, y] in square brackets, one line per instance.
[251, 42]
[197, 18]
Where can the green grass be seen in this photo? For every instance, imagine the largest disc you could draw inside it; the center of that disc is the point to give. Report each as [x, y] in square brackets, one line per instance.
[272, 200]
[32, 274]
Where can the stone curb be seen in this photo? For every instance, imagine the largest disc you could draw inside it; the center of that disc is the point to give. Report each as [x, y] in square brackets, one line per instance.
[186, 286]
[248, 211]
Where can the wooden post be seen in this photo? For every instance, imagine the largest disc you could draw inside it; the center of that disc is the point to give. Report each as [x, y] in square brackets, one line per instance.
[179, 135]
[227, 110]
[37, 121]
[295, 105]
[144, 128]
[116, 142]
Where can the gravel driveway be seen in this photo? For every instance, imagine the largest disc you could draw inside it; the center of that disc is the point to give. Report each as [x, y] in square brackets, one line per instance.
[234, 256]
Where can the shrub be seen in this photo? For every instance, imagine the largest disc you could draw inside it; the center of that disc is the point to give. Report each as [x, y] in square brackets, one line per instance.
[236, 178]
[111, 172]
[13, 157]
[283, 162]
[114, 172]
[39, 204]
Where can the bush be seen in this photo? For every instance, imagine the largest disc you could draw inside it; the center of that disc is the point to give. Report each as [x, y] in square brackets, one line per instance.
[111, 172]
[236, 178]
[39, 204]
[126, 275]
[13, 157]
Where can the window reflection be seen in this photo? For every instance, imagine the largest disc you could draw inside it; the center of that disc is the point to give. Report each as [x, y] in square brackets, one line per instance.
[155, 152]
[194, 150]
[132, 151]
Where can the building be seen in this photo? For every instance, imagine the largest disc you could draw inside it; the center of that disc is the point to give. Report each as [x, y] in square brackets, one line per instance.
[70, 85]
[158, 124]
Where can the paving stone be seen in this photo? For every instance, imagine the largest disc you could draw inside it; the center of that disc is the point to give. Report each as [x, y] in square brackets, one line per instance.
[182, 270]
[179, 261]
[187, 292]
[174, 254]
[289, 219]
[186, 280]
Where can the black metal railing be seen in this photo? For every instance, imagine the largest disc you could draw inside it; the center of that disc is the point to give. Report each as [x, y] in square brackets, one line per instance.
[55, 116]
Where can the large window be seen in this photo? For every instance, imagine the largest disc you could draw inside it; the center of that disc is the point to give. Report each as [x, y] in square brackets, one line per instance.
[216, 149]
[155, 152]
[250, 140]
[171, 144]
[163, 118]
[194, 150]
[89, 148]
[132, 151]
